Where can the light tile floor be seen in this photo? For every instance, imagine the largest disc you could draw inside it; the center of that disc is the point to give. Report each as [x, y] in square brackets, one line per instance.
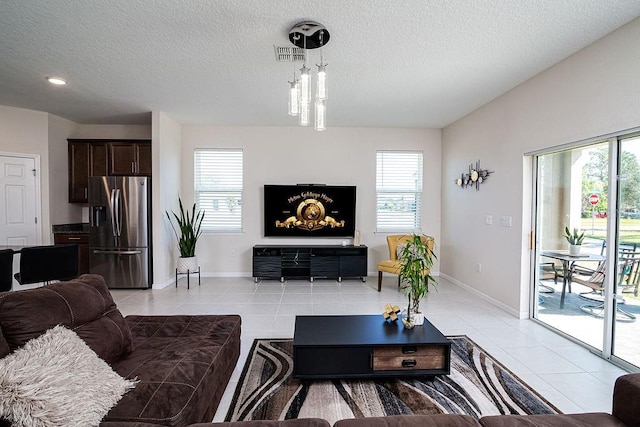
[569, 376]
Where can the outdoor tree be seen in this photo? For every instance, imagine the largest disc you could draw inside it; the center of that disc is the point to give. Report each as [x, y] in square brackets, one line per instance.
[595, 179]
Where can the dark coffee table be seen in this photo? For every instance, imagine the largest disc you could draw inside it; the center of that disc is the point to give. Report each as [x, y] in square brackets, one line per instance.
[367, 346]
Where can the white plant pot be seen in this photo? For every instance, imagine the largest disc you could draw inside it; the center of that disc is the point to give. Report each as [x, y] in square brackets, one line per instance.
[418, 318]
[574, 250]
[186, 264]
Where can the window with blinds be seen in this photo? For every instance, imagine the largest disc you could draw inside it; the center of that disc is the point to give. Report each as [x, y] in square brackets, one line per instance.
[398, 191]
[218, 188]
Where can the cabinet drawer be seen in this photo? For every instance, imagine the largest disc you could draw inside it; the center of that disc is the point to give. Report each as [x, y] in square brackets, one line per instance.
[409, 363]
[80, 239]
[409, 357]
[61, 238]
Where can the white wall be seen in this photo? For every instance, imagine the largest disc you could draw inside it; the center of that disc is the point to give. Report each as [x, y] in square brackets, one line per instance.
[62, 212]
[167, 145]
[279, 155]
[594, 92]
[112, 132]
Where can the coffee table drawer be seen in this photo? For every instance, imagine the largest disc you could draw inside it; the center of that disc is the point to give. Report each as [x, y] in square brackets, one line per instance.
[409, 358]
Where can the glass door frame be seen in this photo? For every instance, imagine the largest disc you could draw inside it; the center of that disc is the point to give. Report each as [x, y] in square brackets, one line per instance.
[614, 142]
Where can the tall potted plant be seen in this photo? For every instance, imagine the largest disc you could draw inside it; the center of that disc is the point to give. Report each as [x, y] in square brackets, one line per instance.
[189, 223]
[574, 239]
[416, 258]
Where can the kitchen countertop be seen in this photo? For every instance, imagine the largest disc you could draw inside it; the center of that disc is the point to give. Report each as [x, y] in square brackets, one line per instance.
[79, 228]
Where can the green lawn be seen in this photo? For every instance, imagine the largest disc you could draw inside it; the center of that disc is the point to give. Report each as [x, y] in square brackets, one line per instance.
[597, 228]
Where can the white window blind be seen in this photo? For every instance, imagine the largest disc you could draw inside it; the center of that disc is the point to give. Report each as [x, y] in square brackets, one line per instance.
[218, 188]
[398, 191]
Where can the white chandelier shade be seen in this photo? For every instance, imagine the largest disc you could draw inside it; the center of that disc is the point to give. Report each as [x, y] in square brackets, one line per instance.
[305, 85]
[294, 107]
[321, 115]
[304, 114]
[321, 84]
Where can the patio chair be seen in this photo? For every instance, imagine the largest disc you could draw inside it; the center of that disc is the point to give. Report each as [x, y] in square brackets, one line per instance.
[547, 271]
[629, 275]
[596, 281]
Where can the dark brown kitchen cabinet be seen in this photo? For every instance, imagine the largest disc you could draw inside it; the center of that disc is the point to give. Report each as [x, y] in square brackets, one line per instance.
[80, 239]
[103, 157]
[85, 160]
[130, 159]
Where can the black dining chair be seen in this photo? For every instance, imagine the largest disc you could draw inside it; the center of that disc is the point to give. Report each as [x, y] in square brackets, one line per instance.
[42, 264]
[6, 270]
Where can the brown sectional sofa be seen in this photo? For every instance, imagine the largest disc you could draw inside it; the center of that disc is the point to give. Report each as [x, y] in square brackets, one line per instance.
[183, 362]
[626, 413]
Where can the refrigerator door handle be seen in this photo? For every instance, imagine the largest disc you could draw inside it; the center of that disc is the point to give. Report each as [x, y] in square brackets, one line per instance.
[112, 206]
[96, 251]
[118, 212]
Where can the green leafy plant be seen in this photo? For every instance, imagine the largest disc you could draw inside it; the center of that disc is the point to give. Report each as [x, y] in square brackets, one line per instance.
[416, 258]
[574, 238]
[189, 223]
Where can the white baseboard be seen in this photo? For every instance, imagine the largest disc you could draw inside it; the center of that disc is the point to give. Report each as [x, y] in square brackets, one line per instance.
[163, 285]
[500, 305]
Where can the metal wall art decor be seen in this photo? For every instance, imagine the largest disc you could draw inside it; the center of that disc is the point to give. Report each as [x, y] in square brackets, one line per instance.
[475, 176]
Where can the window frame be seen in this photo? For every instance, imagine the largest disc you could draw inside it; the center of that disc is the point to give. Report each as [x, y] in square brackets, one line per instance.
[230, 223]
[416, 193]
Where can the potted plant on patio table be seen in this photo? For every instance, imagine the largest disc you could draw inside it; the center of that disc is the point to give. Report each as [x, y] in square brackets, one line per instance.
[415, 275]
[574, 239]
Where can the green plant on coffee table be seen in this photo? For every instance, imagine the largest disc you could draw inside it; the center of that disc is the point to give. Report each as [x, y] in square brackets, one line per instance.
[416, 258]
[189, 223]
[574, 238]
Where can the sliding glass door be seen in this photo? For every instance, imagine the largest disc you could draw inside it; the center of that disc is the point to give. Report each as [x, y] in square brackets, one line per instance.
[626, 328]
[565, 181]
[591, 293]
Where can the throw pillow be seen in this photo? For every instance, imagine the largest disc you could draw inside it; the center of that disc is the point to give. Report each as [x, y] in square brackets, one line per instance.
[399, 250]
[56, 379]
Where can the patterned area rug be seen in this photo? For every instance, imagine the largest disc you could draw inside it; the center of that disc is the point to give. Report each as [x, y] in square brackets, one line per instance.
[478, 385]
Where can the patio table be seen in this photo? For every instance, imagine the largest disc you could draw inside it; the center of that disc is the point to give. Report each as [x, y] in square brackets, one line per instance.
[567, 262]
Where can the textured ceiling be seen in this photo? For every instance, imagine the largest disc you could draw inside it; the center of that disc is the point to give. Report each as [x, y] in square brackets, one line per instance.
[392, 63]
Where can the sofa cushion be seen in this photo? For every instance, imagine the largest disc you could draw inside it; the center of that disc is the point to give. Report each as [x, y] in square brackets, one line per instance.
[56, 379]
[595, 419]
[439, 420]
[183, 363]
[83, 305]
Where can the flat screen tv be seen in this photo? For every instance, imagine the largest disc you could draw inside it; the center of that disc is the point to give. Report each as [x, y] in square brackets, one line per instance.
[306, 210]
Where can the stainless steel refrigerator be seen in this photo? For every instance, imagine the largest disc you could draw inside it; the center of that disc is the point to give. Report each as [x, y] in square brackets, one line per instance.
[120, 232]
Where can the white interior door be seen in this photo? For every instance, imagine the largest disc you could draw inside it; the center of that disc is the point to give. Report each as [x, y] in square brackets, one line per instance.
[18, 198]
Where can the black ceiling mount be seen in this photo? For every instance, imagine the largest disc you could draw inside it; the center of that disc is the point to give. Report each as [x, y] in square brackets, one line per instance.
[309, 35]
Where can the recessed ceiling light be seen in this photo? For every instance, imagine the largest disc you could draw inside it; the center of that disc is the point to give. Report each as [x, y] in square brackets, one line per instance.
[56, 81]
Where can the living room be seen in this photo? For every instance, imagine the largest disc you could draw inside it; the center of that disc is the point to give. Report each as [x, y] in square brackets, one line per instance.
[591, 93]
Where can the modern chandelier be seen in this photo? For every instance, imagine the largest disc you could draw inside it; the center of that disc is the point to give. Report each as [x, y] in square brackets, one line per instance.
[309, 35]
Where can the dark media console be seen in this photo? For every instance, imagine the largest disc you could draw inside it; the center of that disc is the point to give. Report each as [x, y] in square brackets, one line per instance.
[302, 262]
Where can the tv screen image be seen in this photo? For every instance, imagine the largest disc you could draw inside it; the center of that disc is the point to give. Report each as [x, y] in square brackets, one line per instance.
[309, 210]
